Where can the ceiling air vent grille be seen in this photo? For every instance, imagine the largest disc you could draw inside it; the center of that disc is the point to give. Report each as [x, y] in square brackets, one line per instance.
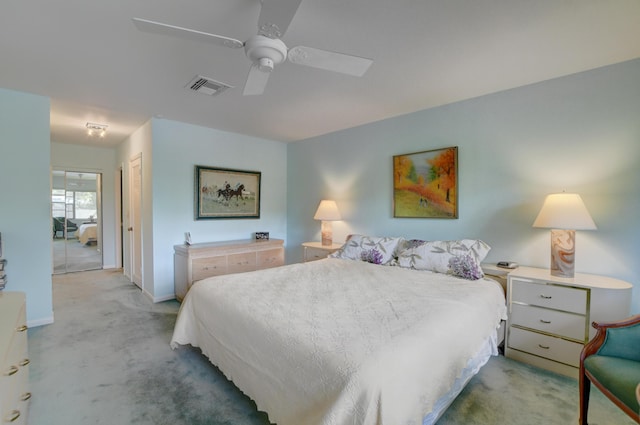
[208, 86]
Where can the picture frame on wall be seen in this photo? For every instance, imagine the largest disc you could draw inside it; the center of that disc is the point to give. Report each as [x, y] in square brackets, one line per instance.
[425, 184]
[222, 193]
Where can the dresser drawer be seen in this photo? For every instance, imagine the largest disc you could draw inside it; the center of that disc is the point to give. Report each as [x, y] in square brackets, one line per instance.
[243, 262]
[549, 347]
[270, 258]
[550, 296]
[202, 268]
[569, 325]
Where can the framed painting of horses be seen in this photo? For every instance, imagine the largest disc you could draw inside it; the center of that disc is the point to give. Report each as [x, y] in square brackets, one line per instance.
[226, 193]
[425, 184]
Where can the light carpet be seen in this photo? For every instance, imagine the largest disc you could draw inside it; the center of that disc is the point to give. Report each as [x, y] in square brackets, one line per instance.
[106, 360]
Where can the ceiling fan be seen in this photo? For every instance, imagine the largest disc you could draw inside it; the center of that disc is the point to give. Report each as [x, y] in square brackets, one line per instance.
[266, 49]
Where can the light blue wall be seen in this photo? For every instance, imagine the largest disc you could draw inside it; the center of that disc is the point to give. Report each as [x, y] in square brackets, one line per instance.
[579, 133]
[25, 200]
[95, 160]
[177, 149]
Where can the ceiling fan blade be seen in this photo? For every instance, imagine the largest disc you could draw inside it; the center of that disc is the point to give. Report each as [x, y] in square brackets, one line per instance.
[275, 17]
[256, 81]
[330, 61]
[189, 34]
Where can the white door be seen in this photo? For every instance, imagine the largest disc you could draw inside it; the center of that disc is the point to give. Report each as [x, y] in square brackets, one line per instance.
[135, 214]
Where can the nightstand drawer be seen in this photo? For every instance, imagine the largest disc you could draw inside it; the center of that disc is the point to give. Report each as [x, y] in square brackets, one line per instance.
[549, 347]
[207, 267]
[312, 254]
[550, 296]
[551, 321]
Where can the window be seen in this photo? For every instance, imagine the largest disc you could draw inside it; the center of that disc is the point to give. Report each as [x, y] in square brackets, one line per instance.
[73, 204]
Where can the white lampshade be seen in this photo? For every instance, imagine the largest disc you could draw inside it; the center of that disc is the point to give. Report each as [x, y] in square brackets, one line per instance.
[564, 211]
[327, 211]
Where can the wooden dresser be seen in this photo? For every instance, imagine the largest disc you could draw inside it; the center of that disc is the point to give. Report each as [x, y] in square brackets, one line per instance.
[198, 261]
[14, 361]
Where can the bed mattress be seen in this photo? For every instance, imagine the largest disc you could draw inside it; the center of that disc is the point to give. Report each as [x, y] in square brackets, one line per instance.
[339, 341]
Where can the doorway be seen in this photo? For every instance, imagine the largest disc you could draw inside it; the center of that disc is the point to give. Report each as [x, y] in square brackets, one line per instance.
[76, 217]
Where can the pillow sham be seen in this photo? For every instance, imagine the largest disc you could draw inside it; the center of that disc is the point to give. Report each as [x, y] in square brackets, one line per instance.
[377, 250]
[442, 257]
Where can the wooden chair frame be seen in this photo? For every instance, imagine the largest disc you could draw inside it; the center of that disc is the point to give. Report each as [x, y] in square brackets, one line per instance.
[586, 379]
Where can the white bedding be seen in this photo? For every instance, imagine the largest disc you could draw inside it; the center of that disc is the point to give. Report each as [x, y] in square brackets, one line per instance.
[87, 232]
[338, 341]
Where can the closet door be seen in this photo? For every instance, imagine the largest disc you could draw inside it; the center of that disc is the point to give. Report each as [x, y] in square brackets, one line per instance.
[76, 221]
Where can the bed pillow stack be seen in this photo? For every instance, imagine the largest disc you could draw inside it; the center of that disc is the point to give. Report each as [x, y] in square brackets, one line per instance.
[377, 250]
[459, 257]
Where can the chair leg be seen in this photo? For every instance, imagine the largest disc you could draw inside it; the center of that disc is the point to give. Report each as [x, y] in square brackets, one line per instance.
[585, 389]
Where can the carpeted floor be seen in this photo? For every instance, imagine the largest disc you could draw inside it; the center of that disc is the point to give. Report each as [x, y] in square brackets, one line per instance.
[106, 360]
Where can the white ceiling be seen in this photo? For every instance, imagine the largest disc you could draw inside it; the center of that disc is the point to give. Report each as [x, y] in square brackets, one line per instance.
[94, 64]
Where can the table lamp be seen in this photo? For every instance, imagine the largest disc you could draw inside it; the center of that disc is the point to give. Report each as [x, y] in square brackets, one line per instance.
[327, 212]
[563, 213]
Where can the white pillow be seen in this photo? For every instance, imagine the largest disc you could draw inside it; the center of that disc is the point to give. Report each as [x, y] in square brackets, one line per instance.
[436, 255]
[377, 250]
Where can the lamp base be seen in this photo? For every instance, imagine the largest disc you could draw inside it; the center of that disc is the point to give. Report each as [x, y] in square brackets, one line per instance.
[563, 246]
[327, 233]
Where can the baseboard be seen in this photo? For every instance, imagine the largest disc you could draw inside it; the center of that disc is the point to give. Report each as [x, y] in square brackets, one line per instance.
[110, 266]
[40, 322]
[164, 298]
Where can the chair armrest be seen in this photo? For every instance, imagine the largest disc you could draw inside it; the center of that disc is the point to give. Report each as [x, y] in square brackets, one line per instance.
[594, 345]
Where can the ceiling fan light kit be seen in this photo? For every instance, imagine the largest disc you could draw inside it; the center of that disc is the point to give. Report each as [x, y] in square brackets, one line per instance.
[266, 50]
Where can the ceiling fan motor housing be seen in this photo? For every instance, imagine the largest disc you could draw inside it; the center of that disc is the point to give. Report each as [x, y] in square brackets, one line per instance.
[266, 52]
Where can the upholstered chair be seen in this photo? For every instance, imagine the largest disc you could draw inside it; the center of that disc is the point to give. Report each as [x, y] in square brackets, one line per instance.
[611, 362]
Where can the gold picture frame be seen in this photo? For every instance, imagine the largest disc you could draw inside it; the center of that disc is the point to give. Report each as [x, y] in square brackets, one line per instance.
[425, 184]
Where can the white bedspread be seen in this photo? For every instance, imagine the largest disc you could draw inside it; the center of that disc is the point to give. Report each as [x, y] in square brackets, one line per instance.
[340, 342]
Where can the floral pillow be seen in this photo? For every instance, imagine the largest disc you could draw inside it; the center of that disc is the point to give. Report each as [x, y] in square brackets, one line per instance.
[371, 249]
[461, 257]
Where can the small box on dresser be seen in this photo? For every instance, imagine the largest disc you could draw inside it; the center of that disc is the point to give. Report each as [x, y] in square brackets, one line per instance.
[550, 317]
[14, 360]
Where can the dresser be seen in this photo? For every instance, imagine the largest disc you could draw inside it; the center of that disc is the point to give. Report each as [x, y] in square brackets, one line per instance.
[316, 251]
[550, 317]
[14, 361]
[199, 261]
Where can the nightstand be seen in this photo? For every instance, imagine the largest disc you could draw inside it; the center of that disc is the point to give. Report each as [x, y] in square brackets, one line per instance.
[316, 251]
[550, 317]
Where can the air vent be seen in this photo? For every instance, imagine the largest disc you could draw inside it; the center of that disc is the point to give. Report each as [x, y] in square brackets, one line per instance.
[208, 86]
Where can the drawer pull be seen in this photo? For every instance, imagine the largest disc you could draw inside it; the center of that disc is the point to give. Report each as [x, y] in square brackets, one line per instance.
[546, 322]
[544, 347]
[12, 371]
[545, 297]
[24, 362]
[22, 328]
[13, 416]
[25, 397]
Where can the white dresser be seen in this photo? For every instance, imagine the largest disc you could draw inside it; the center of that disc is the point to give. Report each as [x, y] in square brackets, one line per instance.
[14, 361]
[199, 261]
[550, 317]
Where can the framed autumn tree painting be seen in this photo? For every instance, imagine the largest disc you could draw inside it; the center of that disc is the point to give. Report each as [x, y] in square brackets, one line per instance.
[425, 184]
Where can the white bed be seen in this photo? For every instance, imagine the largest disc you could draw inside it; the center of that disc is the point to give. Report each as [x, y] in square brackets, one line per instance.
[88, 232]
[344, 342]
